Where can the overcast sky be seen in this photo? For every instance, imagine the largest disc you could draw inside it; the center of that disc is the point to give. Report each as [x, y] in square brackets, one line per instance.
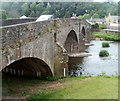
[60, 0]
[106, 0]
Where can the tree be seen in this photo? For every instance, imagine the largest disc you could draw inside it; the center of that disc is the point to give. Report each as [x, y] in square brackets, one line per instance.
[67, 14]
[3, 14]
[32, 14]
[86, 16]
[95, 15]
[39, 9]
[25, 9]
[95, 26]
[80, 17]
[60, 9]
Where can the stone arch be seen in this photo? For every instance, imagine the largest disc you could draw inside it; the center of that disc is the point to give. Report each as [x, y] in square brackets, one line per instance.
[71, 42]
[29, 66]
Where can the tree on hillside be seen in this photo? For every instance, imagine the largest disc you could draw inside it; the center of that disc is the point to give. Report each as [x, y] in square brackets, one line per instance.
[95, 15]
[3, 14]
[80, 17]
[86, 16]
[39, 9]
[25, 9]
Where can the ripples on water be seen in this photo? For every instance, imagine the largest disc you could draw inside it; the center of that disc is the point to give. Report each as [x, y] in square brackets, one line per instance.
[95, 65]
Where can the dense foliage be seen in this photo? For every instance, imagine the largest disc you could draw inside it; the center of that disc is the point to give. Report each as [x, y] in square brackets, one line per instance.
[95, 26]
[107, 36]
[105, 44]
[59, 9]
[103, 53]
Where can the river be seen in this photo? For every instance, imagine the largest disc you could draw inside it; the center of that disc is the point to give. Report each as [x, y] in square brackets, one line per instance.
[95, 65]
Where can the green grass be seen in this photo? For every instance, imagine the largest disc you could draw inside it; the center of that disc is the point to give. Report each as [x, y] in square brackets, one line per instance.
[100, 87]
[106, 36]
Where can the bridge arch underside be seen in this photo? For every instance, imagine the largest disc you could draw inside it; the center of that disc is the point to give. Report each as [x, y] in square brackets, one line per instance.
[71, 43]
[32, 67]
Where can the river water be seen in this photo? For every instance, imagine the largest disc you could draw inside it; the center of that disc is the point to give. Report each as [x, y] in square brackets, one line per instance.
[95, 65]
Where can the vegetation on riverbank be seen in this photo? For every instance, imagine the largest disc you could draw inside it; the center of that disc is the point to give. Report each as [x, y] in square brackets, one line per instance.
[83, 87]
[100, 87]
[106, 36]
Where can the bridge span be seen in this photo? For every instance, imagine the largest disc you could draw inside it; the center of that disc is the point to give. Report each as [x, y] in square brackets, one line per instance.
[41, 48]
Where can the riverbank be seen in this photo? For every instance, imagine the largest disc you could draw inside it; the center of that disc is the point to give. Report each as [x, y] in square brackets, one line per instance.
[100, 87]
[106, 36]
[84, 87]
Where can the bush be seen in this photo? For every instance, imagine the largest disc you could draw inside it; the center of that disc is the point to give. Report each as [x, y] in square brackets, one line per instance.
[102, 26]
[105, 44]
[95, 26]
[50, 78]
[103, 53]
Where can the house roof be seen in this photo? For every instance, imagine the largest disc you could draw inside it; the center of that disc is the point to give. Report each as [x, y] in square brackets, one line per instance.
[97, 20]
[115, 17]
[44, 17]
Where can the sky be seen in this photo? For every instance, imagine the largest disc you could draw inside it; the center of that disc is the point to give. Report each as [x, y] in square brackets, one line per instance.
[60, 0]
[106, 0]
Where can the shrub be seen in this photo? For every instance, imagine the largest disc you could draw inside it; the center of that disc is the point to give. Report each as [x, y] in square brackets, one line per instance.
[103, 53]
[95, 26]
[40, 33]
[50, 78]
[102, 26]
[49, 29]
[105, 44]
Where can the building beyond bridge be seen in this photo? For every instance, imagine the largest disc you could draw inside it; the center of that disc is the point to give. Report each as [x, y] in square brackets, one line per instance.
[42, 48]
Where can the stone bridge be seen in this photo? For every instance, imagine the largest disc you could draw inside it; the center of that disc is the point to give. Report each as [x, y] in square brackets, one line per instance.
[42, 48]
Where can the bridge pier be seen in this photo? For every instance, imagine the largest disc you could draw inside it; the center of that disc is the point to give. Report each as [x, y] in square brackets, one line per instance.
[61, 61]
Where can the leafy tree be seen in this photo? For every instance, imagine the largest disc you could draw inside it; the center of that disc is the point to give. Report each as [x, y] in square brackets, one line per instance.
[60, 9]
[95, 15]
[95, 26]
[39, 9]
[33, 6]
[3, 14]
[80, 17]
[25, 9]
[32, 14]
[86, 16]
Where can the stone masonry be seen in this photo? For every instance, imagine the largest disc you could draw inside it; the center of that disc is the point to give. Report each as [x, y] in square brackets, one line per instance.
[42, 48]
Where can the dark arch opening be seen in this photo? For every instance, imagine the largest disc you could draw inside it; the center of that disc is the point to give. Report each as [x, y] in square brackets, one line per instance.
[83, 32]
[32, 67]
[71, 43]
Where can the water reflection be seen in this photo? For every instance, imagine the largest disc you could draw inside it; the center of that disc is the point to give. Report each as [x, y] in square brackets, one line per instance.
[95, 65]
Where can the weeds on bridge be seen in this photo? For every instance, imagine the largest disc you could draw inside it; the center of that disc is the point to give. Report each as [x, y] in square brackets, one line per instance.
[3, 48]
[49, 29]
[40, 33]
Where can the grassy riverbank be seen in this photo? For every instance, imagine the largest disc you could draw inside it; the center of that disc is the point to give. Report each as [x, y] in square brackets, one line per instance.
[106, 36]
[84, 87]
[100, 87]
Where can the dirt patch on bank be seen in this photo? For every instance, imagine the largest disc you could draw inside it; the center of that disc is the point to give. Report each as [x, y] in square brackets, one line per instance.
[46, 86]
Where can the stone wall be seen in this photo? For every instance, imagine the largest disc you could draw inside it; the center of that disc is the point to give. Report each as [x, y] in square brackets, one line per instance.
[15, 21]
